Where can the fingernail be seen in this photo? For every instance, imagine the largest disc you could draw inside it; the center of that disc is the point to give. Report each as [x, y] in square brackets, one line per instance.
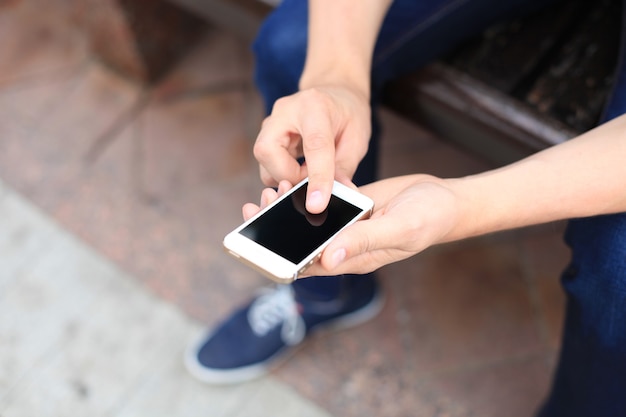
[314, 199]
[338, 257]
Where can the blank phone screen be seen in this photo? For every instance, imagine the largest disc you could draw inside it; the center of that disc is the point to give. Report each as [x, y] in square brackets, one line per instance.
[290, 231]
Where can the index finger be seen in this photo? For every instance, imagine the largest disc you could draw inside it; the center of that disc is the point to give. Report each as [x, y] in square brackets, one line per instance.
[318, 145]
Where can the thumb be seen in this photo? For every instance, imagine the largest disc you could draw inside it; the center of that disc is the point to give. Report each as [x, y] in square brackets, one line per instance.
[361, 238]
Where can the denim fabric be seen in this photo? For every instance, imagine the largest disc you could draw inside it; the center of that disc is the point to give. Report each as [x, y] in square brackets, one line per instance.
[591, 376]
[590, 379]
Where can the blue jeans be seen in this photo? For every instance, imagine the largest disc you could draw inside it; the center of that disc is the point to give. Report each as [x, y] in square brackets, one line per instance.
[591, 375]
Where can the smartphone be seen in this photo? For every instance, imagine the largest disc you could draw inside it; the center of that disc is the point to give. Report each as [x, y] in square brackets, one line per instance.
[283, 239]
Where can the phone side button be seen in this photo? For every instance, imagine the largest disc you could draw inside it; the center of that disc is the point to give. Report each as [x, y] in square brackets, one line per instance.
[311, 262]
[234, 254]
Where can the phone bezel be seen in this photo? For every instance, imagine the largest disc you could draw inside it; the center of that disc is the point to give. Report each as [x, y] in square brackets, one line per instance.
[275, 266]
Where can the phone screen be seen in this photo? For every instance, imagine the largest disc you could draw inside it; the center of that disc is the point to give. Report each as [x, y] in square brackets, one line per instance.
[290, 231]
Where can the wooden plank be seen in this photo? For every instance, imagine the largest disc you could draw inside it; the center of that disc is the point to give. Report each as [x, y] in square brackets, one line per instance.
[579, 77]
[508, 53]
[473, 115]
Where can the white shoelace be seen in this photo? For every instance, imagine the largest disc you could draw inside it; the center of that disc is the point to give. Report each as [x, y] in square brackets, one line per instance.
[277, 306]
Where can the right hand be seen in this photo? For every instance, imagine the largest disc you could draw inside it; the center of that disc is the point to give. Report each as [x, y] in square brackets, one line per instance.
[328, 125]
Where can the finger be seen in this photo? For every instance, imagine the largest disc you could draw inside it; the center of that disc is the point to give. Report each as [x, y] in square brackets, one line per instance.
[249, 210]
[347, 181]
[385, 190]
[273, 150]
[318, 146]
[349, 153]
[380, 233]
[361, 264]
[266, 177]
[283, 187]
[268, 195]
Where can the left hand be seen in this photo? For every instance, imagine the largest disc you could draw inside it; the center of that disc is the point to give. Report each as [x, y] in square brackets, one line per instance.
[411, 214]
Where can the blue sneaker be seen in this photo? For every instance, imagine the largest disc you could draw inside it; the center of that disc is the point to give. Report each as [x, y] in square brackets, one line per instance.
[259, 336]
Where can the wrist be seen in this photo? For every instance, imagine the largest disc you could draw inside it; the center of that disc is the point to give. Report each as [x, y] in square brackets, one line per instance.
[494, 201]
[472, 212]
[354, 80]
[352, 72]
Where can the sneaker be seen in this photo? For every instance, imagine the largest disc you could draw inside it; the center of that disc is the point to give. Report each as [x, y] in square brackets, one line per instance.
[259, 336]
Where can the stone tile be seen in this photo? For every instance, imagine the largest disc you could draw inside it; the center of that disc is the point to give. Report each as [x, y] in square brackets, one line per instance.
[38, 45]
[195, 173]
[81, 105]
[515, 388]
[173, 246]
[192, 143]
[182, 260]
[48, 145]
[220, 61]
[368, 385]
[98, 100]
[24, 108]
[466, 304]
[95, 202]
[141, 40]
[218, 65]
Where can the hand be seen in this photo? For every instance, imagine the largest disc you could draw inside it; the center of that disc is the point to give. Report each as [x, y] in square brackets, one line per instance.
[329, 125]
[411, 214]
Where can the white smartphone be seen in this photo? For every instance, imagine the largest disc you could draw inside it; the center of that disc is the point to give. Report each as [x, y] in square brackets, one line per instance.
[283, 239]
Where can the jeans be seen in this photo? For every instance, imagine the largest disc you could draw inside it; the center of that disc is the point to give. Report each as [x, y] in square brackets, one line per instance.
[590, 379]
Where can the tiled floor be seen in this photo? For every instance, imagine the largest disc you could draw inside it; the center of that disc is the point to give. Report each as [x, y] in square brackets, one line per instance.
[153, 180]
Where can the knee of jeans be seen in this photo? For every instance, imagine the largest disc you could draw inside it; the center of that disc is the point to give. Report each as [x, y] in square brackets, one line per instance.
[279, 51]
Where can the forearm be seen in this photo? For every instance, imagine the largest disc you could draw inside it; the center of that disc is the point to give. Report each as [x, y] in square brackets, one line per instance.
[583, 177]
[342, 35]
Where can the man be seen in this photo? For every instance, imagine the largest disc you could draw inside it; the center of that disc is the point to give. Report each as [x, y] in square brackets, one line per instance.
[321, 84]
